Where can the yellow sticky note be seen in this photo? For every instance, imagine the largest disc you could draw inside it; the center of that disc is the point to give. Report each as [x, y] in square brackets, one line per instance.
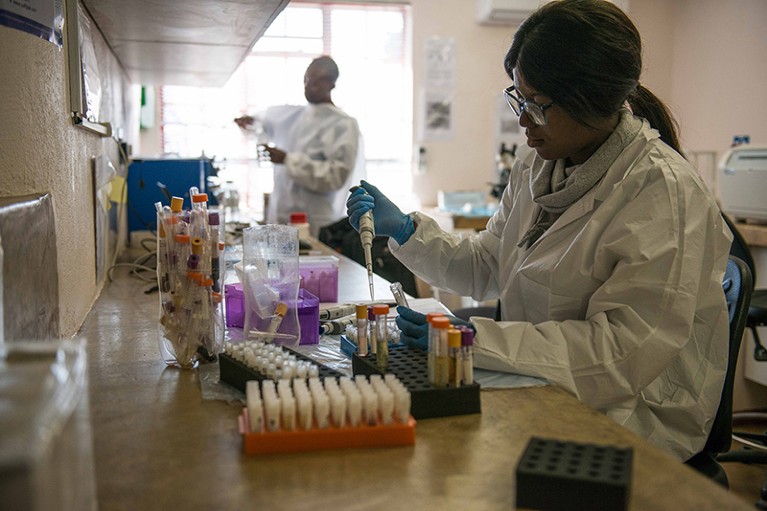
[118, 190]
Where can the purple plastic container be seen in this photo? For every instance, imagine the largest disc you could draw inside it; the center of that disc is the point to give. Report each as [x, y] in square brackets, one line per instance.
[308, 313]
[235, 305]
[308, 317]
[319, 276]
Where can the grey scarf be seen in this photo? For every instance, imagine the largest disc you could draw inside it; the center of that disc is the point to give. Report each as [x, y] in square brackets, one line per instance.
[555, 188]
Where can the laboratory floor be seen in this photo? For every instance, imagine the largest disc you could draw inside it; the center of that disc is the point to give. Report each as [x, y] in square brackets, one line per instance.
[746, 480]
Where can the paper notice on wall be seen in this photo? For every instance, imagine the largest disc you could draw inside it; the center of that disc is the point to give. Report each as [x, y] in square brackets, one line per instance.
[438, 116]
[41, 18]
[438, 89]
[440, 63]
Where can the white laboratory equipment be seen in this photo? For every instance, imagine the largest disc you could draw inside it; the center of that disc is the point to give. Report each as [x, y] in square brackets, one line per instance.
[742, 187]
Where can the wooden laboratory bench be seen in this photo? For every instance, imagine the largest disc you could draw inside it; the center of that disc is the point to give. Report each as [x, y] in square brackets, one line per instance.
[754, 234]
[158, 445]
[457, 222]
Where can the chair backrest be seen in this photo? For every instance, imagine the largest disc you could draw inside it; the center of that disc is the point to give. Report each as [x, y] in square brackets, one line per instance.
[737, 286]
[739, 247]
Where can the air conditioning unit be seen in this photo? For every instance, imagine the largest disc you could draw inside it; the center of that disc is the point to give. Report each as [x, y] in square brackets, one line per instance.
[505, 12]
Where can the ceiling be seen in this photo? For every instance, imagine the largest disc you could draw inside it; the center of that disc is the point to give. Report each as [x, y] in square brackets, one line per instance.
[189, 42]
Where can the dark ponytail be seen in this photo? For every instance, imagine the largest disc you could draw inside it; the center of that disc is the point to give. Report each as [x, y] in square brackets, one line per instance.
[646, 104]
[586, 55]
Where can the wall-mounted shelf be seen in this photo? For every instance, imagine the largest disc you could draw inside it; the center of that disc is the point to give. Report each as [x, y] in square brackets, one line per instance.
[196, 42]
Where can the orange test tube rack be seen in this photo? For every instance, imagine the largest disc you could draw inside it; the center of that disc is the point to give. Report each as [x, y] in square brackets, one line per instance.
[315, 439]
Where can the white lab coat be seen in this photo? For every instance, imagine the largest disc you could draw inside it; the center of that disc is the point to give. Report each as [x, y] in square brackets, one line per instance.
[620, 301]
[325, 157]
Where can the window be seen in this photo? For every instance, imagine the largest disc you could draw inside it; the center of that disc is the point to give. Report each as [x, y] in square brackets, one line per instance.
[371, 45]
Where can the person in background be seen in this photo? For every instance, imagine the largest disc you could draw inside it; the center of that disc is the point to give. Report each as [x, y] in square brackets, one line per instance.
[316, 148]
[607, 251]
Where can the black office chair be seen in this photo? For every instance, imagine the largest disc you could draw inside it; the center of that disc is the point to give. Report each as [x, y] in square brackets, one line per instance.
[757, 312]
[486, 312]
[737, 285]
[755, 450]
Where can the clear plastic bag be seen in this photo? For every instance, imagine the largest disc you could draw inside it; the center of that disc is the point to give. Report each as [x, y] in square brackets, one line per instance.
[270, 279]
[189, 276]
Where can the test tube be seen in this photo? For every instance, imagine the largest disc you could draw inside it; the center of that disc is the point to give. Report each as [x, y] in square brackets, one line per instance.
[214, 221]
[163, 283]
[177, 210]
[399, 294]
[339, 311]
[255, 407]
[336, 326]
[441, 325]
[454, 357]
[431, 346]
[198, 226]
[380, 311]
[279, 313]
[467, 356]
[372, 333]
[199, 217]
[362, 330]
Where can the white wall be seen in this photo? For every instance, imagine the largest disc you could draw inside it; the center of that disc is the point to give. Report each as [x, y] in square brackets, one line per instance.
[719, 71]
[41, 151]
[703, 58]
[467, 161]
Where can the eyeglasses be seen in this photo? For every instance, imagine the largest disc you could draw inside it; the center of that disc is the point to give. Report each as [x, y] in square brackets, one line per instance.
[536, 112]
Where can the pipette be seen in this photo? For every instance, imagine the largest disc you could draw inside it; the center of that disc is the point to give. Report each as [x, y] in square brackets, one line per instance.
[367, 233]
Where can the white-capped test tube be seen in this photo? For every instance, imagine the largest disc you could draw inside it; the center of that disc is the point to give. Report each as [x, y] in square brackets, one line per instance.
[385, 404]
[370, 406]
[255, 407]
[337, 404]
[272, 406]
[402, 398]
[354, 406]
[288, 413]
[303, 404]
[321, 410]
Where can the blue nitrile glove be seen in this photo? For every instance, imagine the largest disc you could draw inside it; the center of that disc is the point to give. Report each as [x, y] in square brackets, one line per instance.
[414, 330]
[387, 217]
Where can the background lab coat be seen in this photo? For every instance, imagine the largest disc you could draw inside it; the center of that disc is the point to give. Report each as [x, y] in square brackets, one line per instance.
[324, 158]
[620, 302]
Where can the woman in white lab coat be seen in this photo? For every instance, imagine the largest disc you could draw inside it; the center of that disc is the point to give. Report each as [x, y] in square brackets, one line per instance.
[607, 252]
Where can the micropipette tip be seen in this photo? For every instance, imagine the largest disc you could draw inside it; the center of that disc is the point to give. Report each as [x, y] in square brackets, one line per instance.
[370, 283]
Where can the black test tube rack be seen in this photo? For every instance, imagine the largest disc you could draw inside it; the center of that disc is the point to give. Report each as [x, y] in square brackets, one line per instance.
[556, 474]
[426, 400]
[237, 374]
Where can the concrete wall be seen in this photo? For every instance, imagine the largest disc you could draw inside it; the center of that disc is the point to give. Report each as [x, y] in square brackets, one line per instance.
[42, 152]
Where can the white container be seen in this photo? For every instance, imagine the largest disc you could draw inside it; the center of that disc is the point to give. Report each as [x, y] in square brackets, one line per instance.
[300, 221]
